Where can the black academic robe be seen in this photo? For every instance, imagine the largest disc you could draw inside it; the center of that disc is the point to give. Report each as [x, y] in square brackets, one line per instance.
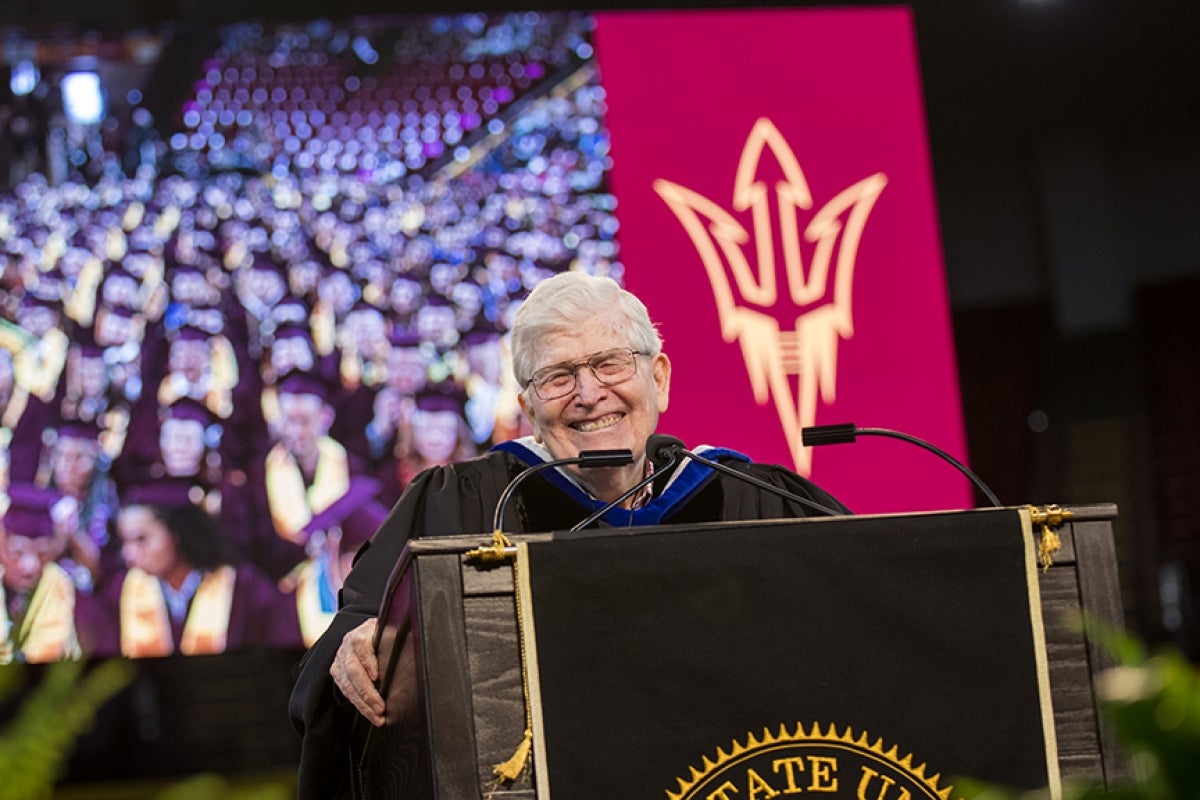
[461, 499]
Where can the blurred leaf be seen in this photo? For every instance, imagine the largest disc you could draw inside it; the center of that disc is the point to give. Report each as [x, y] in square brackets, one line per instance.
[1126, 648]
[1155, 709]
[197, 787]
[35, 745]
[208, 785]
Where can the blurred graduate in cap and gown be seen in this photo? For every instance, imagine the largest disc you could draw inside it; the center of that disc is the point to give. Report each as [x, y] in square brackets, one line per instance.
[38, 349]
[37, 596]
[306, 469]
[76, 465]
[440, 434]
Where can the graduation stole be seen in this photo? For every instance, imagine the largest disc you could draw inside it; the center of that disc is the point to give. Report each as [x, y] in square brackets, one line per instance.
[312, 600]
[15, 408]
[323, 324]
[357, 371]
[286, 489]
[39, 365]
[81, 305]
[351, 370]
[146, 624]
[47, 632]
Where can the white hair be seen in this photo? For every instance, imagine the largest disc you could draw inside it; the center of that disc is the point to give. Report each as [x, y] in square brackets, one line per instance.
[564, 302]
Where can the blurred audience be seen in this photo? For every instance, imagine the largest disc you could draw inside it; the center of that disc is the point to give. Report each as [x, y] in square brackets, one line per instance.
[293, 289]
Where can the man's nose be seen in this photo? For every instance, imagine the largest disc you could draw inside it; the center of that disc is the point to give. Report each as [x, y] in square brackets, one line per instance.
[587, 386]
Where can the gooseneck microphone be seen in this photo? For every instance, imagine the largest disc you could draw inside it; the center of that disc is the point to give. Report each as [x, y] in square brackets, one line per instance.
[586, 459]
[674, 448]
[657, 445]
[848, 432]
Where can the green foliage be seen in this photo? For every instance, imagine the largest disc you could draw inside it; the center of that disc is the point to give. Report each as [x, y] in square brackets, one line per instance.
[207, 786]
[37, 741]
[1155, 707]
[1153, 704]
[35, 745]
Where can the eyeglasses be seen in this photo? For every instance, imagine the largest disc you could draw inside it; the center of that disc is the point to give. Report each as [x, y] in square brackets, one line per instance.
[609, 367]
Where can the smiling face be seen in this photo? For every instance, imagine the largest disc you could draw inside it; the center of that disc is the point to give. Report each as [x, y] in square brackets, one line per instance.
[595, 416]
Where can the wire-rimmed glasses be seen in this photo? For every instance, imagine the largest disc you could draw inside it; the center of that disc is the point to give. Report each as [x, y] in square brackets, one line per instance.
[609, 367]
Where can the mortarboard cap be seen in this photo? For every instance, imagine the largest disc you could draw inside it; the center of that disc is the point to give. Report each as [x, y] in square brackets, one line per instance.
[190, 333]
[187, 268]
[304, 383]
[33, 300]
[30, 511]
[119, 310]
[264, 263]
[164, 492]
[291, 331]
[482, 332]
[403, 336]
[186, 408]
[444, 396]
[78, 429]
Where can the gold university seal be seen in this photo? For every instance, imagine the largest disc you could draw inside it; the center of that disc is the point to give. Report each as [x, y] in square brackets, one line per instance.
[810, 763]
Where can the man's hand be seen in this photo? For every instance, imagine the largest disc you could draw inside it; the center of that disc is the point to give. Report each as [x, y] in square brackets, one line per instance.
[355, 671]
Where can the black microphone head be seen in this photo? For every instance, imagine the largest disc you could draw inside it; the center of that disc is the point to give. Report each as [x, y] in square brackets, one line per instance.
[604, 458]
[829, 434]
[661, 448]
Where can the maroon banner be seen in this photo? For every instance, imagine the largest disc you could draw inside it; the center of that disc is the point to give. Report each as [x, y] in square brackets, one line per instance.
[777, 216]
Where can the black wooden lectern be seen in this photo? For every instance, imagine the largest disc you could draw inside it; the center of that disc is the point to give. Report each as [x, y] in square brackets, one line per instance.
[451, 659]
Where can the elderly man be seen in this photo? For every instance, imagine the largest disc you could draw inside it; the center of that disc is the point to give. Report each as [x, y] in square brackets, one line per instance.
[593, 377]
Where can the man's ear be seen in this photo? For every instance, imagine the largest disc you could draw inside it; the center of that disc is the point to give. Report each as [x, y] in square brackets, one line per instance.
[662, 380]
[524, 403]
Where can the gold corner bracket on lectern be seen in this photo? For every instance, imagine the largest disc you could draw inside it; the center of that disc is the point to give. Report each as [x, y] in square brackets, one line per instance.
[1049, 518]
[500, 550]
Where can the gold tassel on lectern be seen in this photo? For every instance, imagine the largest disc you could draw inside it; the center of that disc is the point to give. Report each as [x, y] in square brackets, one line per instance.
[1049, 546]
[501, 549]
[510, 770]
[1049, 518]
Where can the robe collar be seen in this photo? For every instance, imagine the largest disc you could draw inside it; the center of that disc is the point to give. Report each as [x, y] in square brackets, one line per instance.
[681, 485]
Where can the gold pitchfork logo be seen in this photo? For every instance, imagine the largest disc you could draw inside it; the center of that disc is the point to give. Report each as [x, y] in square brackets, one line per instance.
[819, 297]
